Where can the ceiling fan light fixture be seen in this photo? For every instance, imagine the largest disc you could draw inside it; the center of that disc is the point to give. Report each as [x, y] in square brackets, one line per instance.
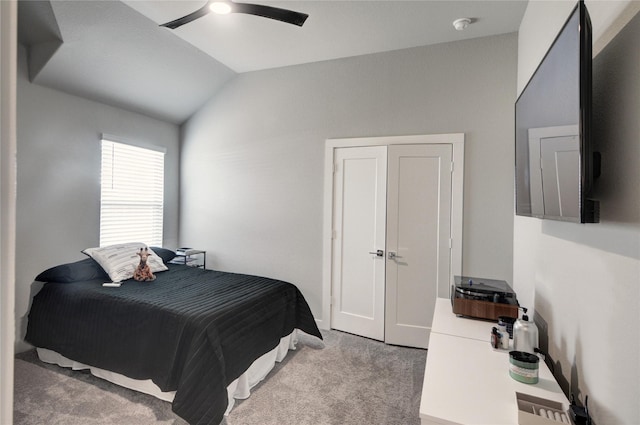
[228, 6]
[220, 7]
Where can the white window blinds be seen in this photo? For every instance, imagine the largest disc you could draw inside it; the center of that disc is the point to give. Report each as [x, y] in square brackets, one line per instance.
[132, 194]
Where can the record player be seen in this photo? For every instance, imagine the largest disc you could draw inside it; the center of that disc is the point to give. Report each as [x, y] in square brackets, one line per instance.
[483, 298]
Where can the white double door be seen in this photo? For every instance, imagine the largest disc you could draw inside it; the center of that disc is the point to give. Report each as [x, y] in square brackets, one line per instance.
[391, 246]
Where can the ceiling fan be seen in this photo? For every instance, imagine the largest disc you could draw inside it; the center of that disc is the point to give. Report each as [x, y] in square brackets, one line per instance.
[223, 7]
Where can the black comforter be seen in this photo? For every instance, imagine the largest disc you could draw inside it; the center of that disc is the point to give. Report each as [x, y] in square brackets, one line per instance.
[191, 330]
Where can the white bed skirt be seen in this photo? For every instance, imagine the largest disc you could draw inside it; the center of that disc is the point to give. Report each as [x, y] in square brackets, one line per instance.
[238, 389]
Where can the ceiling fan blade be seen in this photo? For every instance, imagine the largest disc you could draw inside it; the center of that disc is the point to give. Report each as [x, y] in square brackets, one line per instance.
[188, 18]
[283, 15]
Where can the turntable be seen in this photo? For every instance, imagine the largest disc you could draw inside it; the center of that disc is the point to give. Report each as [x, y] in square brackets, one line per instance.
[483, 298]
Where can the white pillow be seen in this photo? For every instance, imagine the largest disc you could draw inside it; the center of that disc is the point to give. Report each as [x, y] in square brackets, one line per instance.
[120, 261]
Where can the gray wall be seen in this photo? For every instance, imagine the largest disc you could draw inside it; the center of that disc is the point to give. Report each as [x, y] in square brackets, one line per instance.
[252, 158]
[584, 280]
[58, 164]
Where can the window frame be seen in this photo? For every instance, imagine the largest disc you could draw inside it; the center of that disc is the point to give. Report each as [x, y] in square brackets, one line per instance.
[149, 212]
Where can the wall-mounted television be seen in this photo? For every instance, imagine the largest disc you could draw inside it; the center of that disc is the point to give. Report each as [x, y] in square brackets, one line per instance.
[555, 164]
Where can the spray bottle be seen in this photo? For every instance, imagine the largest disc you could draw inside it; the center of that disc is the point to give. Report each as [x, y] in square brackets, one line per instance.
[525, 334]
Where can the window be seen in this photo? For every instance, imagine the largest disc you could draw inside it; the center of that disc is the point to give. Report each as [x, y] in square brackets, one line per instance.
[132, 194]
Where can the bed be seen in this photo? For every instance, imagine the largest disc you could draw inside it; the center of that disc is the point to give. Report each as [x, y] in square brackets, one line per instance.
[192, 333]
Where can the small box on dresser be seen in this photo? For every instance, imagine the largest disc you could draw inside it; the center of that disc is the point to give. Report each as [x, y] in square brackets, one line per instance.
[534, 410]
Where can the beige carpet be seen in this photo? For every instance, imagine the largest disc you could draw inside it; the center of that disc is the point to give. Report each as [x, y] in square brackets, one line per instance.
[352, 380]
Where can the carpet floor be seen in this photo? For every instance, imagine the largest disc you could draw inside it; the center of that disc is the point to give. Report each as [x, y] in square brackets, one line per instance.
[347, 380]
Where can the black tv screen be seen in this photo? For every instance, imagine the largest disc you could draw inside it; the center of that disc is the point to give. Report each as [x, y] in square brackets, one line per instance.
[554, 166]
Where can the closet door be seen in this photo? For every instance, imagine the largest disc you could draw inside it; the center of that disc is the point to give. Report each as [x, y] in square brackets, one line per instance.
[418, 244]
[359, 219]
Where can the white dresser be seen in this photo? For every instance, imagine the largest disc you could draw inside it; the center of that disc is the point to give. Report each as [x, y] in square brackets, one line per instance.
[466, 381]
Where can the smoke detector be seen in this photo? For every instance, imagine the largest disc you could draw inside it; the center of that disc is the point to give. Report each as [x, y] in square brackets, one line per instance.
[461, 24]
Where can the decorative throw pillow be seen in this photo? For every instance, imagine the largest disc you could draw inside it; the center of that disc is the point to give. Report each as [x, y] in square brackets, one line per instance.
[83, 270]
[121, 260]
[164, 253]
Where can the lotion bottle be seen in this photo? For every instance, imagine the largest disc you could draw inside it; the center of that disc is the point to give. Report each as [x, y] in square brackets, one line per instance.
[525, 334]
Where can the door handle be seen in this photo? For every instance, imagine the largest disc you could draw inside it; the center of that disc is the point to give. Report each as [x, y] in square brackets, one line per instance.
[392, 255]
[379, 253]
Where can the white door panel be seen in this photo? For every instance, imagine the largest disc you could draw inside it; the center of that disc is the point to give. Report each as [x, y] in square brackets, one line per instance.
[396, 199]
[418, 232]
[359, 226]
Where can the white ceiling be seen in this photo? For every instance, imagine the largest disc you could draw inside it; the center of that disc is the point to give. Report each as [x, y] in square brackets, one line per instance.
[116, 53]
[334, 29]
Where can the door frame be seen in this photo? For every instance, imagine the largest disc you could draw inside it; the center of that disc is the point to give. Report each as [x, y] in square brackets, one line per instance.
[456, 140]
[8, 125]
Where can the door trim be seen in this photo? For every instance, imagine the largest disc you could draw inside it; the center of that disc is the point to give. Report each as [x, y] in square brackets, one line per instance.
[8, 114]
[456, 140]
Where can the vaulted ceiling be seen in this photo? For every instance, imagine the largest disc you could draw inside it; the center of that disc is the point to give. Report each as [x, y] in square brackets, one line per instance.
[115, 52]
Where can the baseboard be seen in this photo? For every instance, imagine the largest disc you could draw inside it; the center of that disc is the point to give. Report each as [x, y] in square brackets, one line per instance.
[322, 325]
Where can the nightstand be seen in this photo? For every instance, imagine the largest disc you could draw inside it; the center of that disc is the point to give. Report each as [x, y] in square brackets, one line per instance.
[191, 257]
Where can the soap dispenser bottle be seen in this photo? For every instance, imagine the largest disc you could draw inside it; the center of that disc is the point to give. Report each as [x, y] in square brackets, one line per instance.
[525, 334]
